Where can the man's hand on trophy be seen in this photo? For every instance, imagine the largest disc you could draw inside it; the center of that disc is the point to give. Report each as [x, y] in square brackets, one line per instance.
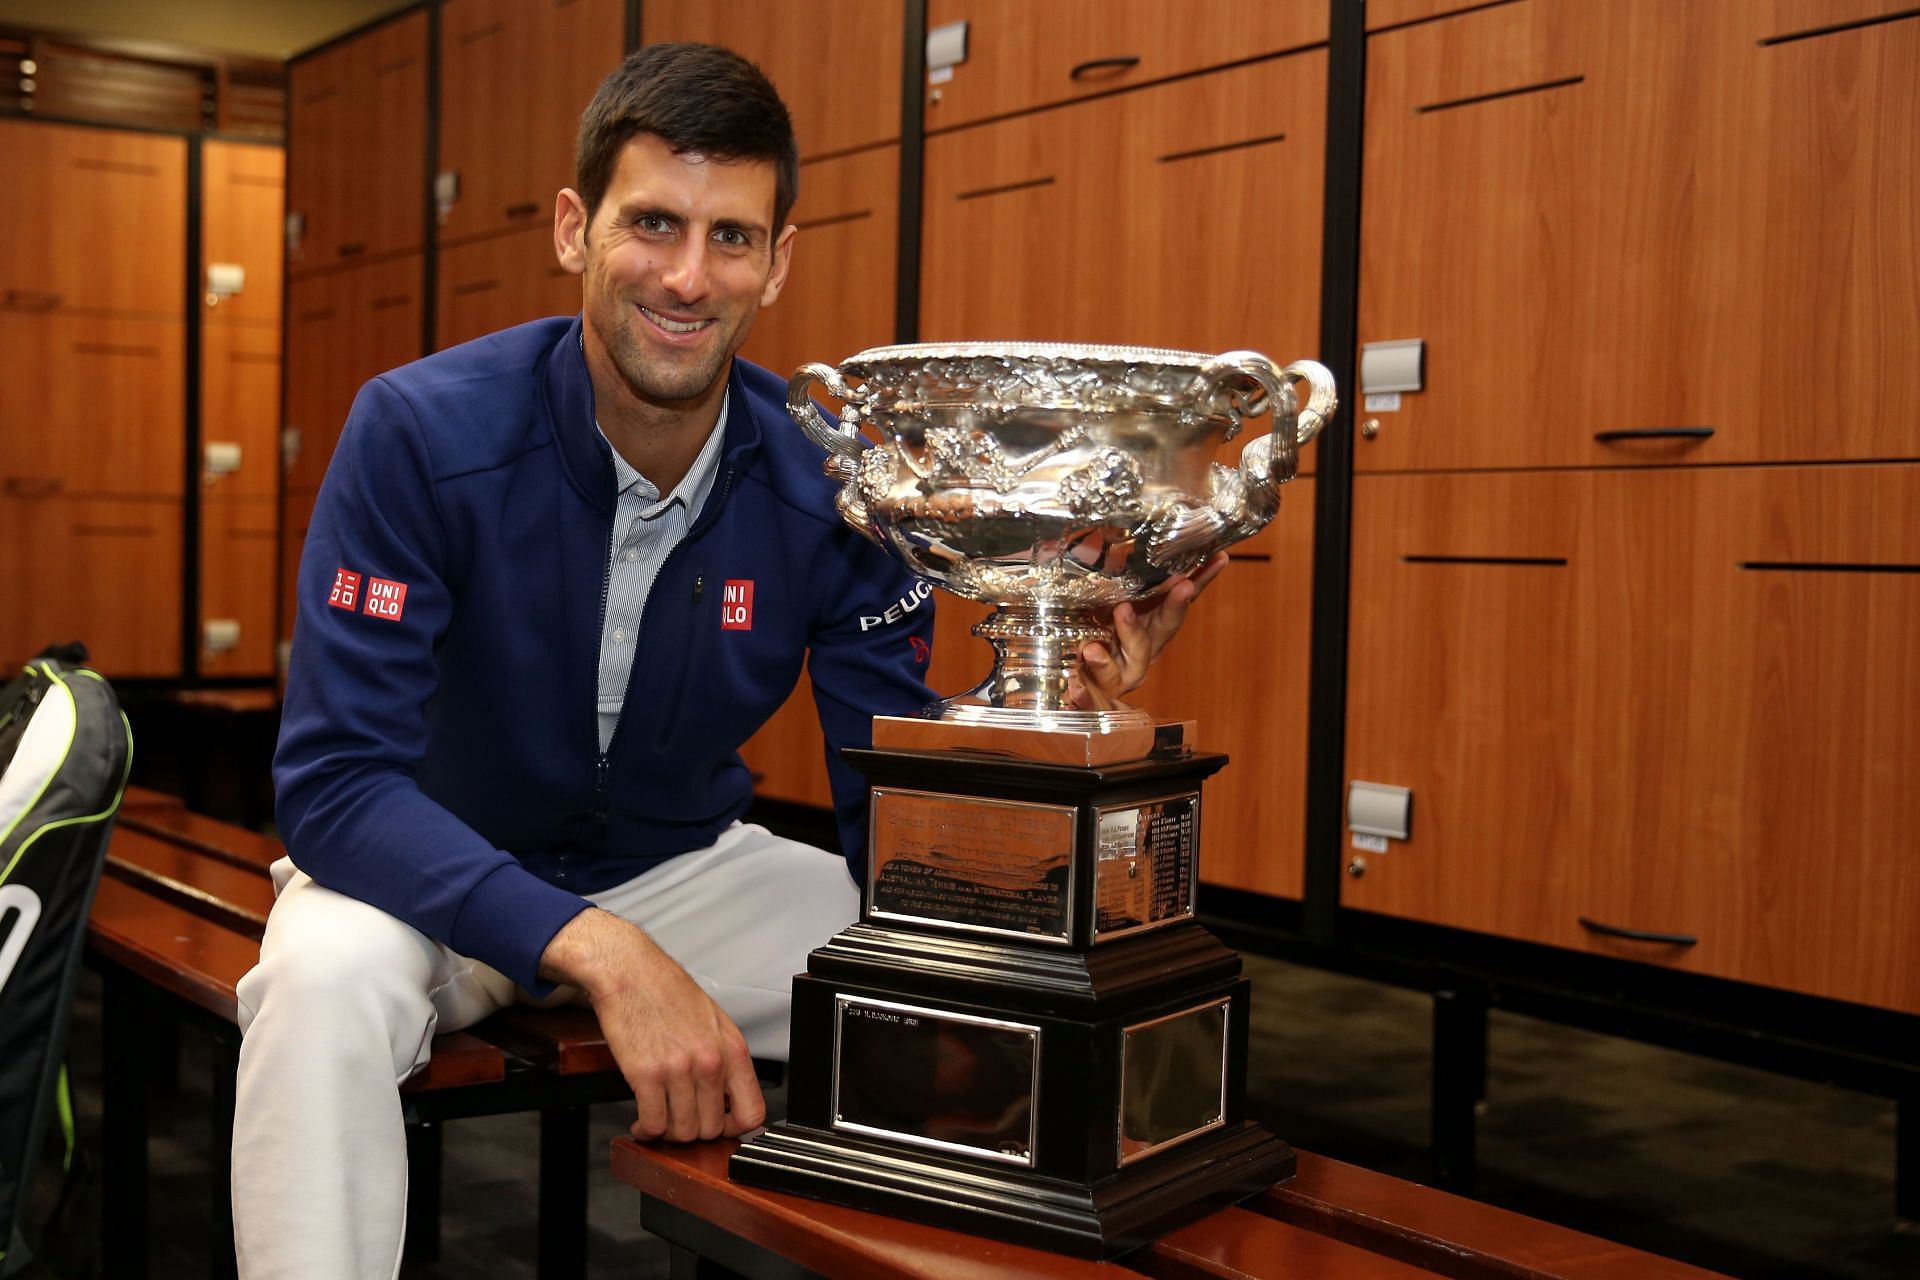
[1140, 632]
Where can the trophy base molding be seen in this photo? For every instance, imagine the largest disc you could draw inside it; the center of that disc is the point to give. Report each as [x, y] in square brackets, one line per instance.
[1102, 1220]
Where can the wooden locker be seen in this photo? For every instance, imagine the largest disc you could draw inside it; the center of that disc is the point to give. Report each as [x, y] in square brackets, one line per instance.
[1022, 55]
[237, 566]
[105, 571]
[1615, 225]
[240, 405]
[514, 77]
[342, 329]
[1661, 701]
[836, 63]
[95, 221]
[1239, 668]
[356, 164]
[94, 404]
[1184, 216]
[505, 280]
[242, 202]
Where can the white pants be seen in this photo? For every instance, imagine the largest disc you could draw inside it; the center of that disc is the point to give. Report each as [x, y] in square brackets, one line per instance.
[346, 1000]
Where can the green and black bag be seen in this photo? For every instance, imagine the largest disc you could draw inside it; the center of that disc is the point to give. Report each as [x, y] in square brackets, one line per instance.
[64, 754]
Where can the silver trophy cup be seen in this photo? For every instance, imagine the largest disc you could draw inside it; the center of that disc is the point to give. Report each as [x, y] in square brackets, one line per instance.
[1055, 481]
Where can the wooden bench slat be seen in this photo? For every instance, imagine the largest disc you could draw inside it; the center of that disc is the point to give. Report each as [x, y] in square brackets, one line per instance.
[1403, 1220]
[146, 799]
[565, 1041]
[459, 1058]
[847, 1244]
[1234, 1244]
[172, 948]
[236, 897]
[210, 836]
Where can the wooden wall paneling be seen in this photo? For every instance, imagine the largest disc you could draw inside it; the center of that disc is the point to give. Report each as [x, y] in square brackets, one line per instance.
[102, 570]
[242, 202]
[1525, 208]
[1807, 231]
[322, 112]
[836, 63]
[357, 146]
[839, 294]
[499, 281]
[514, 78]
[1239, 667]
[1383, 14]
[240, 404]
[1022, 55]
[1185, 215]
[237, 568]
[1480, 665]
[95, 220]
[1794, 867]
[1698, 725]
[1599, 242]
[342, 329]
[94, 404]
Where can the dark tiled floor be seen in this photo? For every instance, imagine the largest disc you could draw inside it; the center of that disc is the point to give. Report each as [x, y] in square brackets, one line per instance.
[1746, 1172]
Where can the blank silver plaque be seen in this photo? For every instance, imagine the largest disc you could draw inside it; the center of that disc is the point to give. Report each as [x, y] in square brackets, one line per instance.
[1173, 1079]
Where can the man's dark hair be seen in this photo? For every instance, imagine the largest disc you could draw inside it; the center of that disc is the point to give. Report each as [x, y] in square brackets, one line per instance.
[696, 98]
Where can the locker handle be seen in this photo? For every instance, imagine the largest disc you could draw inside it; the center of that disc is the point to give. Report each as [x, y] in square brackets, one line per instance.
[1653, 433]
[1087, 68]
[33, 486]
[352, 249]
[526, 210]
[1637, 935]
[31, 300]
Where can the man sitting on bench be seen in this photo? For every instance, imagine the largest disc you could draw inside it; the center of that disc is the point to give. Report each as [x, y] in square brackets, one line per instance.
[555, 578]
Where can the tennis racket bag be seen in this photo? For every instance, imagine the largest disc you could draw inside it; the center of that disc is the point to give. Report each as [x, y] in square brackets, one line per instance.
[64, 753]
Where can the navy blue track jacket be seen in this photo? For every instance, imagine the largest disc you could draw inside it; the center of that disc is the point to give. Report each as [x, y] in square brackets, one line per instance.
[439, 754]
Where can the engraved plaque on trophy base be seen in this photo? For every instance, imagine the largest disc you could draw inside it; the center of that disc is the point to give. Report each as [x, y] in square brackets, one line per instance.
[1026, 1035]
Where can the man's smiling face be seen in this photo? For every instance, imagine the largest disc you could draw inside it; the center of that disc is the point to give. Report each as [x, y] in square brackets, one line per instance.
[679, 257]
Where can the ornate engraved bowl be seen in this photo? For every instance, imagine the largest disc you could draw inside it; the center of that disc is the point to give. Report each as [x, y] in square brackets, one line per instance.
[1054, 481]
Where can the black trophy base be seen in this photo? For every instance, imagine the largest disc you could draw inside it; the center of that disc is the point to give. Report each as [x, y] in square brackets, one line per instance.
[1103, 1220]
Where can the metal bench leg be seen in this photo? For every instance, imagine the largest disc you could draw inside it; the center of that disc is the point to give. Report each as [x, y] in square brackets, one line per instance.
[563, 1193]
[1906, 1162]
[422, 1244]
[123, 1104]
[221, 1263]
[1459, 1080]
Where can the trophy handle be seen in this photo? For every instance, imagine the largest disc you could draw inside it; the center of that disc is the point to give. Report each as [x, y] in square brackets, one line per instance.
[842, 442]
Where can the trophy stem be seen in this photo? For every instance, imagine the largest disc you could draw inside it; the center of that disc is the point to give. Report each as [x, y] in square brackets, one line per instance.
[1036, 656]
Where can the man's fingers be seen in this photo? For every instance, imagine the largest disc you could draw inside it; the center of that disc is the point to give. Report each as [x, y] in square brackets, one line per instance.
[650, 1109]
[747, 1109]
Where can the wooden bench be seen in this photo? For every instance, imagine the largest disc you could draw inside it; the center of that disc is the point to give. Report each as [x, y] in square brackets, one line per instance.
[1331, 1221]
[177, 922]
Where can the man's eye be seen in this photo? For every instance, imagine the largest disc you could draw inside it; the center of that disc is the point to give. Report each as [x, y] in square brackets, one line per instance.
[732, 237]
[653, 224]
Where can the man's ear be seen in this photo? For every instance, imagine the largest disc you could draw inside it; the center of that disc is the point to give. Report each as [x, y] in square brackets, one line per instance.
[782, 260]
[570, 231]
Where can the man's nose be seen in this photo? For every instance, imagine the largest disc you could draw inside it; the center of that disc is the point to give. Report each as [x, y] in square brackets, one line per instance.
[686, 274]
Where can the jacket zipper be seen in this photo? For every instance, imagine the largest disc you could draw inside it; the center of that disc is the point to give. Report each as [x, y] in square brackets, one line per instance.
[708, 515]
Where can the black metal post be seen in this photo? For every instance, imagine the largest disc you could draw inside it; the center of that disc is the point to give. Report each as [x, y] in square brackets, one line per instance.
[563, 1193]
[1459, 1079]
[422, 1244]
[123, 1106]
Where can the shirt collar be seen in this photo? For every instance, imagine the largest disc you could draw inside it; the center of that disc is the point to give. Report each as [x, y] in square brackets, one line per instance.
[693, 488]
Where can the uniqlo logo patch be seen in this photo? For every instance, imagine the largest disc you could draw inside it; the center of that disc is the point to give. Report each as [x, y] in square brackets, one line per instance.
[736, 605]
[386, 599]
[346, 590]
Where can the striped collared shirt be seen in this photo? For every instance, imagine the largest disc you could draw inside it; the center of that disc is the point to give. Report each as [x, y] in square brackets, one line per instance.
[646, 528]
